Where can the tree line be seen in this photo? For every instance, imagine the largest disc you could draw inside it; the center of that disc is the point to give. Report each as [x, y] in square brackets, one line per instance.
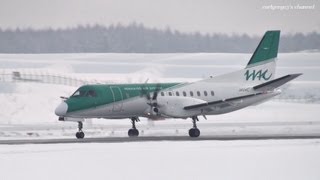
[136, 38]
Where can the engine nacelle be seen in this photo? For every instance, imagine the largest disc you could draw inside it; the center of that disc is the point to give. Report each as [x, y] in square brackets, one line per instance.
[155, 110]
[172, 106]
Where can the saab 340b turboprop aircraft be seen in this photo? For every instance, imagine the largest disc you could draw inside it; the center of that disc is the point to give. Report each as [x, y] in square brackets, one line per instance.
[215, 95]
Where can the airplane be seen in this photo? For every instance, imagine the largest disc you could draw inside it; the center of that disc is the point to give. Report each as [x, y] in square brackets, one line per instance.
[214, 95]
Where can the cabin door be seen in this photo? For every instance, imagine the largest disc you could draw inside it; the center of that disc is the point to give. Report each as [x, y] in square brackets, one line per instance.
[117, 98]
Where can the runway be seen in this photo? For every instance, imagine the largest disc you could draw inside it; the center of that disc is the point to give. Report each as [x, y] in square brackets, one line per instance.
[161, 138]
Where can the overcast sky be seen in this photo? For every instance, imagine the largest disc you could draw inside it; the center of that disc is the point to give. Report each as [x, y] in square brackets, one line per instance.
[207, 16]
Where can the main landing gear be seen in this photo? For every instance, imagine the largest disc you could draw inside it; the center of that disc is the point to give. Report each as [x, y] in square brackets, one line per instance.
[194, 131]
[80, 133]
[133, 132]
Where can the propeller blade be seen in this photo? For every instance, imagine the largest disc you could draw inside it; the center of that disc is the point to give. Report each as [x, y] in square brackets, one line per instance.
[144, 92]
[155, 95]
[156, 92]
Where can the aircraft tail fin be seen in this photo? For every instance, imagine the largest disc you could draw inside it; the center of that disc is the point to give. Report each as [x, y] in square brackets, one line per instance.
[262, 64]
[267, 48]
[261, 67]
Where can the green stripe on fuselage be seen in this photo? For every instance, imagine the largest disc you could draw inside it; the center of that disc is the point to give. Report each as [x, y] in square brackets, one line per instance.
[110, 93]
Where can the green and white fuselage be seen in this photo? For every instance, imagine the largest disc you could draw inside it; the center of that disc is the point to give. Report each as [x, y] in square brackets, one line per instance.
[254, 84]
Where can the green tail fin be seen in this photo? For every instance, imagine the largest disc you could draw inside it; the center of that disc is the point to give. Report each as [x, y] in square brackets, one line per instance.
[267, 48]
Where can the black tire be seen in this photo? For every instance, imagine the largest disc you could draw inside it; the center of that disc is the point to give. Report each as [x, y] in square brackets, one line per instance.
[133, 132]
[194, 132]
[80, 135]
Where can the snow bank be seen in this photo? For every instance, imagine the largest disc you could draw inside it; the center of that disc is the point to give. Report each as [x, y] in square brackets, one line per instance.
[31, 102]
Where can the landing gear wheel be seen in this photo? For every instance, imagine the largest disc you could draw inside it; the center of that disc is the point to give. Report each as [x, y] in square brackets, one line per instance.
[80, 135]
[194, 132]
[133, 132]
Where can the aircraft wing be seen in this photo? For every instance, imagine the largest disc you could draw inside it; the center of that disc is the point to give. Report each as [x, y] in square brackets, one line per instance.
[220, 103]
[273, 84]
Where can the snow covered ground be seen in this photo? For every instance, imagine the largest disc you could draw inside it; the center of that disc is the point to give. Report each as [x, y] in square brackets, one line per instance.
[263, 160]
[27, 111]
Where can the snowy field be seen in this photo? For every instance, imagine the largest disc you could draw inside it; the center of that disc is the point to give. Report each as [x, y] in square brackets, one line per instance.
[262, 160]
[27, 112]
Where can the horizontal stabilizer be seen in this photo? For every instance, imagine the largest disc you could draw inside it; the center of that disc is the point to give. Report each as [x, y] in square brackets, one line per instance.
[220, 103]
[273, 84]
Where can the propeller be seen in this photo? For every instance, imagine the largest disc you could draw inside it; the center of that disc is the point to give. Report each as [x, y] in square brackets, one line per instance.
[152, 100]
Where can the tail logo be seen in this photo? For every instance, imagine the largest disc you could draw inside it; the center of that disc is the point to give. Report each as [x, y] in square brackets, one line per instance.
[253, 75]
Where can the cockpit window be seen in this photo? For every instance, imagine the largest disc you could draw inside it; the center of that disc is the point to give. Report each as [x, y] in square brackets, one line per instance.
[91, 93]
[83, 93]
[79, 93]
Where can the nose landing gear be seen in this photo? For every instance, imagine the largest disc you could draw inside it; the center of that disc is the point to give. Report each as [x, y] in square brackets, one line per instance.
[80, 133]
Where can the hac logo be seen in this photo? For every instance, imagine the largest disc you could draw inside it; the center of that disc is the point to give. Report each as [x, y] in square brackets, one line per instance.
[253, 75]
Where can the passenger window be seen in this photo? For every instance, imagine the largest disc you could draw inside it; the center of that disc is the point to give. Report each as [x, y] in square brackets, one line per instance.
[198, 93]
[170, 93]
[191, 93]
[212, 93]
[184, 93]
[205, 93]
[162, 93]
[177, 93]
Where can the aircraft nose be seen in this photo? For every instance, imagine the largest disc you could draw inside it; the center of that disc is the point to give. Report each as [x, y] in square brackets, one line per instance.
[62, 109]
